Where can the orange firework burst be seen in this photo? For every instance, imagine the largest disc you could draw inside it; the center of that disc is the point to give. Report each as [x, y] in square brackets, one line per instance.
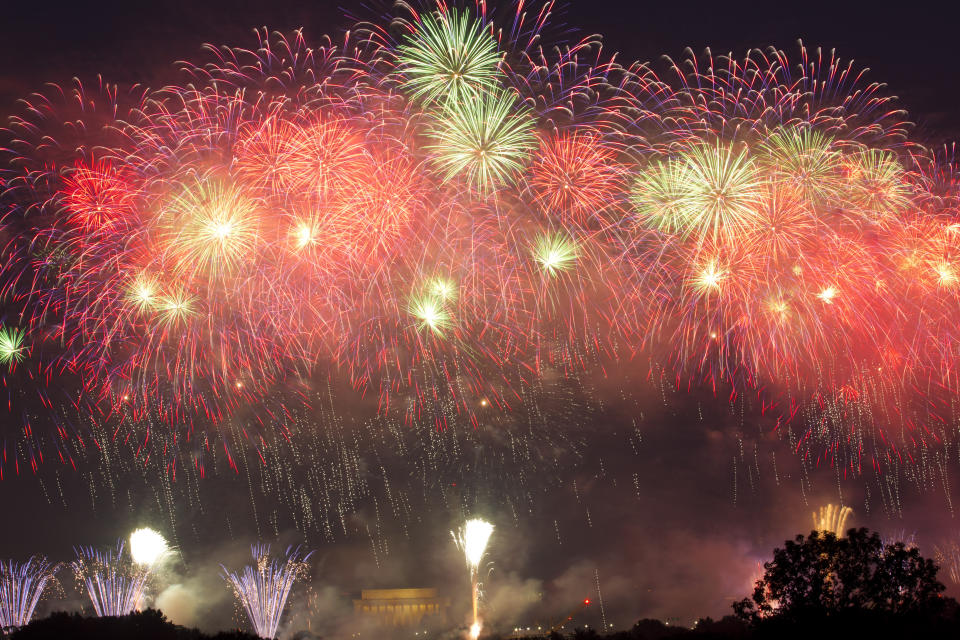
[574, 176]
[376, 215]
[326, 155]
[263, 153]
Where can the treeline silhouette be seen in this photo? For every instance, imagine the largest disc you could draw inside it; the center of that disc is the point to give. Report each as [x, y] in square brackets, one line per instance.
[818, 586]
[826, 586]
[149, 624]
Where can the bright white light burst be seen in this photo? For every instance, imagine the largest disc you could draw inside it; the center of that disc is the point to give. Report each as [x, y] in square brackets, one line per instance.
[147, 546]
[476, 534]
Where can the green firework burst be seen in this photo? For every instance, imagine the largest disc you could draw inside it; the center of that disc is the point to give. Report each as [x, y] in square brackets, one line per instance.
[449, 57]
[555, 252]
[486, 140]
[804, 159]
[11, 345]
[712, 190]
[431, 313]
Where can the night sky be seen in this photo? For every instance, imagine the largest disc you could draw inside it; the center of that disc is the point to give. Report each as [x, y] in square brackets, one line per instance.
[667, 500]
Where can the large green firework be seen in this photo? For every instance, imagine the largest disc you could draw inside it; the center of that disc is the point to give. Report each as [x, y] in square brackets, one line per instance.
[658, 196]
[11, 345]
[486, 140]
[449, 57]
[710, 191]
[877, 185]
[802, 158]
[724, 190]
[431, 313]
[555, 252]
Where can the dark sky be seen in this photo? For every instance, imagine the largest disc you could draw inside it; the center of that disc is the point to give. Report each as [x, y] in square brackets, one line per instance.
[912, 49]
[674, 498]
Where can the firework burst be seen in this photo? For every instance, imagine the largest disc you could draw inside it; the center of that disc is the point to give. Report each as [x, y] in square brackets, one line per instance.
[446, 217]
[11, 345]
[485, 141]
[449, 57]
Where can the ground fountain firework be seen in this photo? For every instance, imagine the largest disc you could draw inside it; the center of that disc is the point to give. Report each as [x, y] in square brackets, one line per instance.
[832, 519]
[263, 588]
[115, 584]
[472, 539]
[22, 584]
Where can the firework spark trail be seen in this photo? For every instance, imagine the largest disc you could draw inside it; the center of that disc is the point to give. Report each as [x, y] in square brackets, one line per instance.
[115, 584]
[21, 586]
[262, 589]
[603, 612]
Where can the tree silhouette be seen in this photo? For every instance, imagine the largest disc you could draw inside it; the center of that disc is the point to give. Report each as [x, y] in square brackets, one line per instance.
[823, 575]
[149, 624]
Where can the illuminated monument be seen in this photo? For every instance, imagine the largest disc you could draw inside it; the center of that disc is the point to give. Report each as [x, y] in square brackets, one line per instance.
[402, 607]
